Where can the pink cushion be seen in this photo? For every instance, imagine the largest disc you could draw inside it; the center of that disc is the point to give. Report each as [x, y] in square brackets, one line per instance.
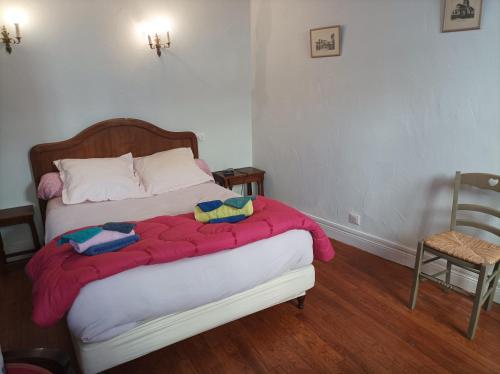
[203, 166]
[50, 186]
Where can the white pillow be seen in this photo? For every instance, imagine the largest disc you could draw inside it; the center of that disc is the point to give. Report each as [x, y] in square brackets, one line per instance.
[99, 179]
[169, 170]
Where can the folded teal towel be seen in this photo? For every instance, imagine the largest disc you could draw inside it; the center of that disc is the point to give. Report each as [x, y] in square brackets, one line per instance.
[238, 202]
[80, 236]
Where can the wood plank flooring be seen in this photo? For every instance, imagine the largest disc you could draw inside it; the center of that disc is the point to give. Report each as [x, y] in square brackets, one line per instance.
[355, 320]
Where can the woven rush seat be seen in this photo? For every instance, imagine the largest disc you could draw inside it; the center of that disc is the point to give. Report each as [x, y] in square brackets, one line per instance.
[465, 247]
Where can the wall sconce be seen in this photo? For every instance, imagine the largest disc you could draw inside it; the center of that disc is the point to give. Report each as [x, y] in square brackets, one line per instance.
[158, 34]
[158, 45]
[15, 17]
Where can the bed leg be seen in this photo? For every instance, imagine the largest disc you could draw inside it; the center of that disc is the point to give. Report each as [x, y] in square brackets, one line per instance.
[300, 301]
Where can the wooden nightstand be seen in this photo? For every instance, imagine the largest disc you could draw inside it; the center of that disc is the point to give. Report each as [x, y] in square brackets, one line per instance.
[242, 176]
[17, 216]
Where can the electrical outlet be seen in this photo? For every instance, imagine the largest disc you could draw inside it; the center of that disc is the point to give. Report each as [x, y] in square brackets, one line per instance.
[354, 218]
[200, 136]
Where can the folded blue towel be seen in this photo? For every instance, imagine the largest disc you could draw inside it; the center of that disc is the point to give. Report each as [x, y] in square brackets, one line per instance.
[208, 206]
[232, 219]
[112, 246]
[80, 236]
[123, 227]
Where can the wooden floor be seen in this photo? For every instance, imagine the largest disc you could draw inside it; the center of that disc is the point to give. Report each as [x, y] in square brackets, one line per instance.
[355, 320]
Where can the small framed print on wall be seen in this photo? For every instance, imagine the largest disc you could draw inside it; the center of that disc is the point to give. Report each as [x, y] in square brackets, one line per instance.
[325, 41]
[461, 15]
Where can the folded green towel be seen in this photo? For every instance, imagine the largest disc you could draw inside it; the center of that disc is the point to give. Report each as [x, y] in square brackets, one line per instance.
[238, 202]
[80, 236]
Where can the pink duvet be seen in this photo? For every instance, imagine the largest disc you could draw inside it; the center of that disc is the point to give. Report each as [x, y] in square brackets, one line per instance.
[58, 273]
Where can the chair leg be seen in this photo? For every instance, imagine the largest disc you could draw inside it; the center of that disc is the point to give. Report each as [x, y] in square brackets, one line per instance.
[476, 309]
[494, 283]
[448, 276]
[416, 275]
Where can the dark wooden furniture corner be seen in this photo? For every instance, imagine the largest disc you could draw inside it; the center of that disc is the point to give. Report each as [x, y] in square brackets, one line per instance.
[242, 176]
[17, 216]
[53, 360]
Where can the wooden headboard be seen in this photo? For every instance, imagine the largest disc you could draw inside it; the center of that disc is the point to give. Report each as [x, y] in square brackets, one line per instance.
[110, 138]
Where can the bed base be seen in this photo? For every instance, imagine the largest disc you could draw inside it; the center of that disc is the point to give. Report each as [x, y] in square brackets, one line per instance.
[158, 333]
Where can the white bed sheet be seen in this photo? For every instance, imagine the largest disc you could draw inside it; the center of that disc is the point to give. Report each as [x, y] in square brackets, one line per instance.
[61, 218]
[111, 306]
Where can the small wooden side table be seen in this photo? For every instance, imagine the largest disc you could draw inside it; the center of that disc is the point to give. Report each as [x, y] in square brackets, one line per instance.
[17, 216]
[242, 176]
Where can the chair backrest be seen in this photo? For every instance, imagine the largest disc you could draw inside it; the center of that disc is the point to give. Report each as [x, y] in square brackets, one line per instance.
[482, 181]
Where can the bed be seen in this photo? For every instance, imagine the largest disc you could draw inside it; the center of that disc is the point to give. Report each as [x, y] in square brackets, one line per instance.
[176, 300]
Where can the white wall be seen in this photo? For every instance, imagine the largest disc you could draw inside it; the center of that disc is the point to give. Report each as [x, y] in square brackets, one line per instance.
[82, 61]
[381, 129]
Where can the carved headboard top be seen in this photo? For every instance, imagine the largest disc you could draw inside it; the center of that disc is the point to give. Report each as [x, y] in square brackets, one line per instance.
[110, 138]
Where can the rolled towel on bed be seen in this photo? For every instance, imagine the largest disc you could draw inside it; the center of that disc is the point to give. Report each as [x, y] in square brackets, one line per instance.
[231, 210]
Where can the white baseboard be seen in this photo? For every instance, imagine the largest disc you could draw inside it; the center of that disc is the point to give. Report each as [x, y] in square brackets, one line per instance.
[395, 252]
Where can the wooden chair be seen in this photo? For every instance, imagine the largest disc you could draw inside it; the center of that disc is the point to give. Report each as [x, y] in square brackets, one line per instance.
[465, 251]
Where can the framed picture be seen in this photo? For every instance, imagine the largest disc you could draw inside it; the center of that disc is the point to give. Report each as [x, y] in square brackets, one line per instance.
[461, 15]
[325, 41]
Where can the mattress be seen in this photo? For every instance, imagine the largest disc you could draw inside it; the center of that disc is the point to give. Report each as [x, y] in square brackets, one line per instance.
[111, 306]
[160, 332]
